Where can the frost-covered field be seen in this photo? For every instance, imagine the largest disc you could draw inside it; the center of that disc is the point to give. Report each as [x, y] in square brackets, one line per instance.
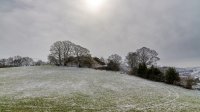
[59, 89]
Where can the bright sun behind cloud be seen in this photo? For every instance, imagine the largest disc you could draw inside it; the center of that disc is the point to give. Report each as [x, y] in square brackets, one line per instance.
[94, 5]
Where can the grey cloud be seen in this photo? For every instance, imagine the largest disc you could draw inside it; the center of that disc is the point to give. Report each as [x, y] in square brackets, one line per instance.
[29, 27]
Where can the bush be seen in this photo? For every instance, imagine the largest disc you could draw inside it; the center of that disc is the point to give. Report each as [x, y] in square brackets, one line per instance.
[142, 70]
[70, 61]
[155, 74]
[172, 76]
[113, 66]
[83, 61]
[133, 71]
[86, 61]
[151, 73]
[99, 61]
[189, 83]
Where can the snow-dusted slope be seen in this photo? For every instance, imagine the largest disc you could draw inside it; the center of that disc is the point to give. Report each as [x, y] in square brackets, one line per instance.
[60, 89]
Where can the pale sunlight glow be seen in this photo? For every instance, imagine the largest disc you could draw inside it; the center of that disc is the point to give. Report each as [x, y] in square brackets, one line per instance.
[94, 5]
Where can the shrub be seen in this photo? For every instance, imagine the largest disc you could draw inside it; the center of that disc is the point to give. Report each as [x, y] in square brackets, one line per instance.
[70, 61]
[86, 61]
[142, 70]
[151, 73]
[171, 76]
[189, 82]
[99, 61]
[155, 74]
[133, 71]
[113, 66]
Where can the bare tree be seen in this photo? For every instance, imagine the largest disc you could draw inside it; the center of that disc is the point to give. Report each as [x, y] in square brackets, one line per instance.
[79, 52]
[147, 56]
[2, 62]
[68, 48]
[115, 58]
[103, 60]
[17, 61]
[132, 59]
[61, 51]
[114, 62]
[52, 60]
[10, 61]
[56, 51]
[26, 61]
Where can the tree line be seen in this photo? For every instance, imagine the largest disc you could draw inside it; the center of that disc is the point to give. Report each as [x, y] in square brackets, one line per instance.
[66, 53]
[141, 63]
[18, 61]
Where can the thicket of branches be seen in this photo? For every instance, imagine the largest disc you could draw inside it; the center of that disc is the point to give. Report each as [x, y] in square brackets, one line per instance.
[143, 63]
[66, 53]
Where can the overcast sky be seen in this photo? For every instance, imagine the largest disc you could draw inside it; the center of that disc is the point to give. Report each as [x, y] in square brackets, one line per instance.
[171, 27]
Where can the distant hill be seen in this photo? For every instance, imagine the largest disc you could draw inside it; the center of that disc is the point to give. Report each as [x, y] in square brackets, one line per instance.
[193, 71]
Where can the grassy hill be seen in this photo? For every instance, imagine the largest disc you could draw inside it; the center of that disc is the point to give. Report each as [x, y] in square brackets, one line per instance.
[60, 89]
